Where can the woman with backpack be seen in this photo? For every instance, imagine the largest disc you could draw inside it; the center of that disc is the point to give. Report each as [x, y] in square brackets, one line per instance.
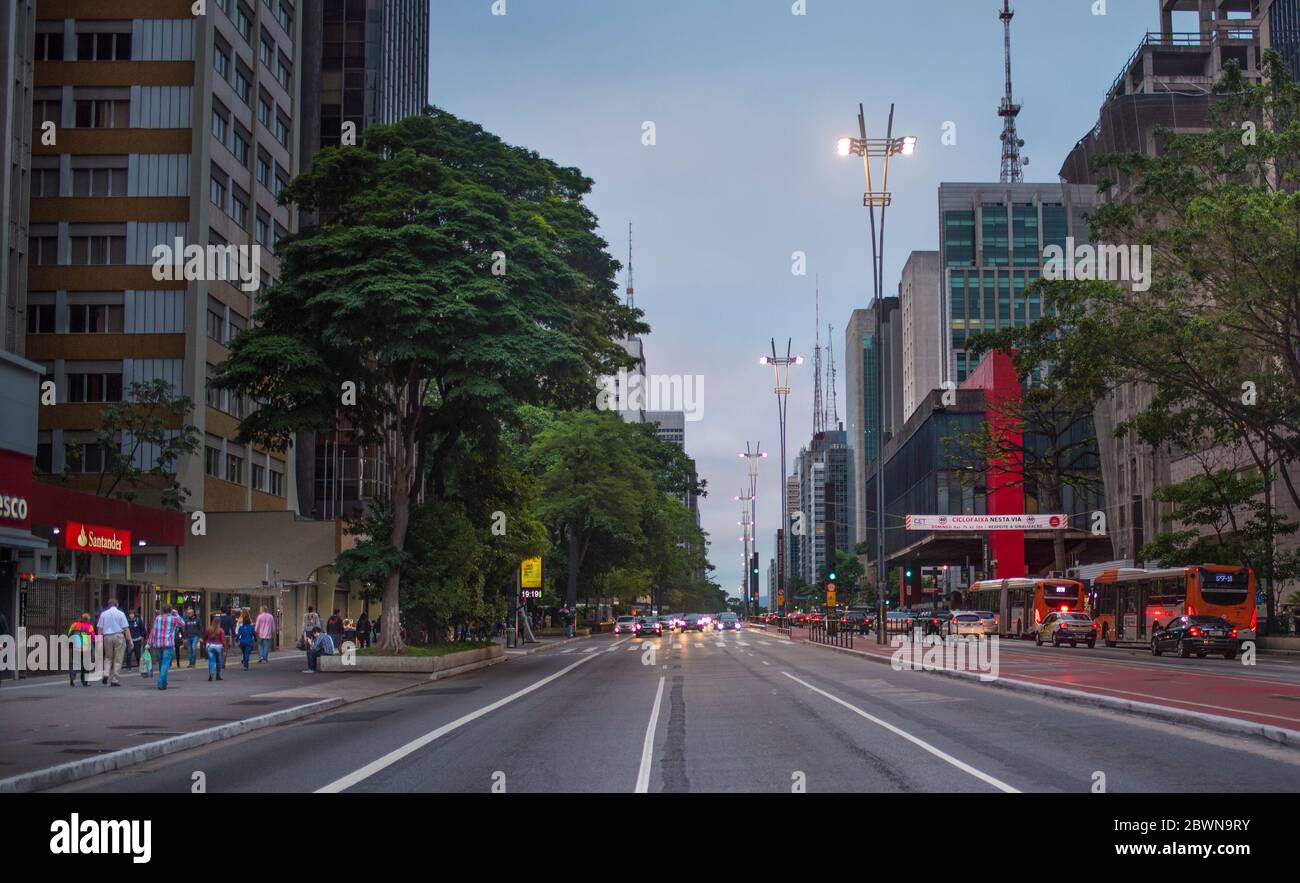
[82, 632]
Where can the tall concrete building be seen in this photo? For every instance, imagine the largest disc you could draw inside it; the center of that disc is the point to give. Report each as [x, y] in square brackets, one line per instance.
[992, 238]
[17, 36]
[923, 345]
[1166, 83]
[880, 325]
[164, 129]
[825, 472]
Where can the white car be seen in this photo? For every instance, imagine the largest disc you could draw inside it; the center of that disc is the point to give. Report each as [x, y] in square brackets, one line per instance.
[625, 625]
[974, 622]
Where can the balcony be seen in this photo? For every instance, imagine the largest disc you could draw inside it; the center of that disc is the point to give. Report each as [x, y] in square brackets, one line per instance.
[1177, 61]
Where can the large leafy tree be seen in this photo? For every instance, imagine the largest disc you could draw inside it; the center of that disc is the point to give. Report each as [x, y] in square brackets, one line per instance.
[450, 277]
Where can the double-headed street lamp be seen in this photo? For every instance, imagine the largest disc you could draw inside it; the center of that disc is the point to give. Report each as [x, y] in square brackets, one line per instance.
[752, 458]
[878, 201]
[781, 367]
[746, 523]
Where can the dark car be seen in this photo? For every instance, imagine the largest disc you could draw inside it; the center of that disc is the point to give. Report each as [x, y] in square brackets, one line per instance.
[694, 622]
[934, 622]
[651, 625]
[1201, 635]
[726, 622]
[856, 621]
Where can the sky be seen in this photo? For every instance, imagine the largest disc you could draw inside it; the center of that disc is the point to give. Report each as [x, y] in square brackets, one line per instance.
[747, 101]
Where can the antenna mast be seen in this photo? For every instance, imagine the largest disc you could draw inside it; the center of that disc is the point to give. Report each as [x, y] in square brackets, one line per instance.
[631, 299]
[834, 421]
[819, 409]
[1012, 162]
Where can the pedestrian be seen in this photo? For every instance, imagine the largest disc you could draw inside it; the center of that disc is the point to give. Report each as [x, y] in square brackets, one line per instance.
[246, 635]
[227, 624]
[321, 644]
[334, 627]
[82, 633]
[310, 622]
[265, 628]
[162, 640]
[112, 628]
[134, 640]
[363, 630]
[193, 630]
[567, 615]
[214, 645]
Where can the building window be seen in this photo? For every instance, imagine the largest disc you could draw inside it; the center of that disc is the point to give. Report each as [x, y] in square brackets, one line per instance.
[95, 318]
[220, 123]
[277, 482]
[262, 231]
[282, 130]
[264, 112]
[281, 181]
[259, 477]
[96, 386]
[104, 47]
[959, 238]
[98, 249]
[221, 62]
[43, 250]
[49, 47]
[283, 72]
[239, 207]
[997, 239]
[99, 182]
[211, 394]
[266, 51]
[216, 326]
[235, 468]
[284, 17]
[212, 461]
[40, 318]
[46, 182]
[84, 457]
[244, 22]
[217, 192]
[263, 171]
[242, 87]
[102, 113]
[240, 147]
[47, 110]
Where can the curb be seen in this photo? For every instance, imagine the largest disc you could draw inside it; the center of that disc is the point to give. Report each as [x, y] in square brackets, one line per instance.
[466, 668]
[1216, 723]
[546, 646]
[39, 780]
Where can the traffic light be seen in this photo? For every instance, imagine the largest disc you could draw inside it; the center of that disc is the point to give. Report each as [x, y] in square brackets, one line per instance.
[908, 572]
[831, 576]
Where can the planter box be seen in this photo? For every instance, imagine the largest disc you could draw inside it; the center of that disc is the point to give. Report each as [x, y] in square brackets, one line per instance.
[438, 666]
[1279, 642]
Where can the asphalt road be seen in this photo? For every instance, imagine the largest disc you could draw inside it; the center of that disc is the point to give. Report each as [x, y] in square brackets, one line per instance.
[701, 713]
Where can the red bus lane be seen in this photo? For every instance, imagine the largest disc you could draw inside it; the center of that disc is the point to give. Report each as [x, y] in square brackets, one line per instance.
[1207, 686]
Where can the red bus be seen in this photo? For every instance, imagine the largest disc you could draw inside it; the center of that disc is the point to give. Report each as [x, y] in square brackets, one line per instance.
[1022, 604]
[1128, 602]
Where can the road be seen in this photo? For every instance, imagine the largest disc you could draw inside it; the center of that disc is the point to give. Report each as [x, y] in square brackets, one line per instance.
[747, 712]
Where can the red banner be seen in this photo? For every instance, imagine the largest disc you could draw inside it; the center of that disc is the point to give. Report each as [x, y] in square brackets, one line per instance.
[96, 539]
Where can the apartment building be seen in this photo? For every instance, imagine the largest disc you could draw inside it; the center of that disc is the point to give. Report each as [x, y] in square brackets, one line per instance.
[16, 36]
[153, 128]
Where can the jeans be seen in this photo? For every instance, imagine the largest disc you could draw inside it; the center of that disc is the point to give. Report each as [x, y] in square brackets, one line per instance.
[192, 646]
[247, 649]
[214, 661]
[568, 629]
[264, 649]
[312, 657]
[164, 663]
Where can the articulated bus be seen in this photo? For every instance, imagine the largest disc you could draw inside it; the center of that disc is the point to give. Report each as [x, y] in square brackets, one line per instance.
[1127, 602]
[1022, 604]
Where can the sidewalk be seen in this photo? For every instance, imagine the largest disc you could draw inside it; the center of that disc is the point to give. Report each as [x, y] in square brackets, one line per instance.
[45, 723]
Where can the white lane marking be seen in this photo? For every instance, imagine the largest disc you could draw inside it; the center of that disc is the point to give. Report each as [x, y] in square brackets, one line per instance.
[615, 645]
[921, 743]
[392, 757]
[765, 643]
[765, 662]
[590, 650]
[633, 647]
[647, 749]
[742, 643]
[570, 650]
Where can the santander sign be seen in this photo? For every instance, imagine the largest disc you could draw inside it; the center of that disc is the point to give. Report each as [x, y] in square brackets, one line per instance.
[96, 539]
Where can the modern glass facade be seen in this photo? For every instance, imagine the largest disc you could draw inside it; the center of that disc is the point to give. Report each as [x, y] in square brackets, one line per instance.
[1284, 32]
[992, 253]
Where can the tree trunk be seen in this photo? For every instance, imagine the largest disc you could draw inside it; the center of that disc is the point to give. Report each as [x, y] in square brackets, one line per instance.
[1058, 536]
[390, 641]
[571, 595]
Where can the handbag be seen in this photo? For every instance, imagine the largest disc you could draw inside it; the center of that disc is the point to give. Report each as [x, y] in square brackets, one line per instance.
[146, 661]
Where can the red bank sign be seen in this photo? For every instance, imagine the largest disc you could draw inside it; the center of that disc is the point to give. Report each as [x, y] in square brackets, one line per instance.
[98, 540]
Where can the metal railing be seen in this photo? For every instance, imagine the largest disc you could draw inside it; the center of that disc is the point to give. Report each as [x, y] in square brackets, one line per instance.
[1227, 32]
[832, 633]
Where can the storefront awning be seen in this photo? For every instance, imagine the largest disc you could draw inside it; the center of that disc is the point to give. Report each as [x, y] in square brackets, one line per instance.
[20, 539]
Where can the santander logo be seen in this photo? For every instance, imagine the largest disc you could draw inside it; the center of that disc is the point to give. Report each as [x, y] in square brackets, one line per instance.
[92, 538]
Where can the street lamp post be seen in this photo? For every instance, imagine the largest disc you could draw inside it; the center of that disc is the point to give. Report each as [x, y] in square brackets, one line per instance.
[746, 523]
[752, 458]
[781, 368]
[878, 201]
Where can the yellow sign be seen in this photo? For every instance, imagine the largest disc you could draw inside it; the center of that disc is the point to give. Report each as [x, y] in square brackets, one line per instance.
[780, 599]
[530, 573]
[830, 595]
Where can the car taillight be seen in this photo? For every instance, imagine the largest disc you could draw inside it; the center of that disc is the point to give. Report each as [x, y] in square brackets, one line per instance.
[1232, 634]
[1094, 626]
[1254, 617]
[1191, 611]
[1194, 632]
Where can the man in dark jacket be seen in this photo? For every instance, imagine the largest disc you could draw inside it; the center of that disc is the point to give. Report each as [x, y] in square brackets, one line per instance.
[334, 627]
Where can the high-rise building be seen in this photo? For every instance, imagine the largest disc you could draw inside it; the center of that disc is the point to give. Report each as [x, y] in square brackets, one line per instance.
[1165, 84]
[365, 62]
[1280, 31]
[18, 39]
[992, 238]
[368, 63]
[168, 130]
[923, 344]
[879, 325]
[825, 471]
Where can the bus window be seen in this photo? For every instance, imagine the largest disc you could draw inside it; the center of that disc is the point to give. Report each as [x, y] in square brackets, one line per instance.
[1224, 589]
